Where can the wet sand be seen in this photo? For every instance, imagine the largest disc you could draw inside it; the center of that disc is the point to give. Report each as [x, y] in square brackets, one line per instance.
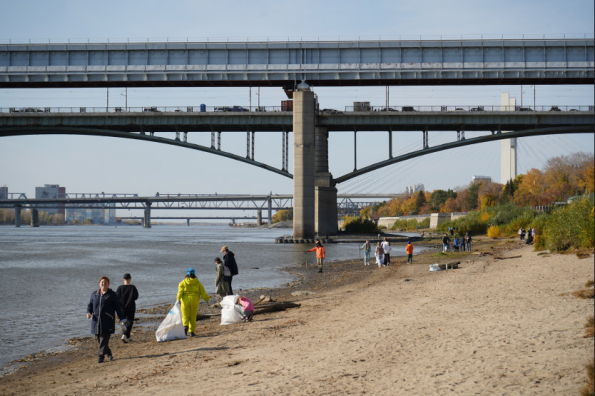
[490, 327]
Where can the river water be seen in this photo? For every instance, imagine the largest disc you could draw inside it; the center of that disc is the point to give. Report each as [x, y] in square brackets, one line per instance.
[47, 274]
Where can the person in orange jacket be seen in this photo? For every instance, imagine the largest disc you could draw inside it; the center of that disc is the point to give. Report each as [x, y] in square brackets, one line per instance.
[409, 250]
[319, 254]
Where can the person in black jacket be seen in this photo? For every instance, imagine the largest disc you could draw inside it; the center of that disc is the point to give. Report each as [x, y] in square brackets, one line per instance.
[229, 261]
[127, 294]
[102, 308]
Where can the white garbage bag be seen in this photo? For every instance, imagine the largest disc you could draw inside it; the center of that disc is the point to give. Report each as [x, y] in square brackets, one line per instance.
[172, 327]
[435, 267]
[229, 315]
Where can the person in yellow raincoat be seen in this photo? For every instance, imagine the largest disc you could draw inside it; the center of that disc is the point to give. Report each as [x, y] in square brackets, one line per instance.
[190, 290]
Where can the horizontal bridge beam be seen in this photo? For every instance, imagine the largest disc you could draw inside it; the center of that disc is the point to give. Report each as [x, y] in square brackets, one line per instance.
[360, 62]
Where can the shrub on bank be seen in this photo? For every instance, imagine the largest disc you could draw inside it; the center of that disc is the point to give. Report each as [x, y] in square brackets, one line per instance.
[410, 224]
[357, 225]
[569, 227]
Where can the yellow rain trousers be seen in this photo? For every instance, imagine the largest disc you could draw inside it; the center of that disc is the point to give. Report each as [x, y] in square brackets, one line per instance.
[190, 290]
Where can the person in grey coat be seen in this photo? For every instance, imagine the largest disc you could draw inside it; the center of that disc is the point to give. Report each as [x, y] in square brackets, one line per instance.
[221, 283]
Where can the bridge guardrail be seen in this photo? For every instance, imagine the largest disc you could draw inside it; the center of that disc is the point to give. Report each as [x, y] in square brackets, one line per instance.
[277, 109]
[466, 108]
[145, 109]
[294, 38]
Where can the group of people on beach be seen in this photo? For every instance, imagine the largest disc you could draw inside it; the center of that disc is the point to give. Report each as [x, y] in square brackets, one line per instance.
[530, 233]
[382, 252]
[105, 304]
[459, 244]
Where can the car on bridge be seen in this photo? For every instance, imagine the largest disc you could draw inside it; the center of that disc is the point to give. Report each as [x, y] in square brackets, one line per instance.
[478, 108]
[151, 109]
[28, 110]
[233, 108]
[525, 109]
[331, 111]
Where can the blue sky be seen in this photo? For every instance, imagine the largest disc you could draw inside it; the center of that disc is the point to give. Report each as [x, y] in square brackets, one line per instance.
[87, 164]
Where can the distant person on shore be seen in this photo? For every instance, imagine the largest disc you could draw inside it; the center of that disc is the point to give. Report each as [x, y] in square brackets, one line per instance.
[456, 244]
[245, 308]
[468, 237]
[462, 246]
[190, 290]
[533, 232]
[379, 253]
[366, 247]
[102, 309]
[529, 238]
[387, 248]
[221, 285]
[229, 260]
[127, 294]
[521, 233]
[320, 254]
[409, 251]
[445, 243]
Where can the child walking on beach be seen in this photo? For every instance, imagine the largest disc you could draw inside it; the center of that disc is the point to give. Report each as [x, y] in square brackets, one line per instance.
[409, 250]
[127, 294]
[320, 254]
[379, 254]
[366, 248]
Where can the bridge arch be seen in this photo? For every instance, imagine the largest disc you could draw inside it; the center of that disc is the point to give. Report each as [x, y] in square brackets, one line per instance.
[467, 142]
[36, 130]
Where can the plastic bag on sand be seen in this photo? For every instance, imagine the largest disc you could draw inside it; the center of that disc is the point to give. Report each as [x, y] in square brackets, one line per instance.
[229, 315]
[435, 267]
[172, 327]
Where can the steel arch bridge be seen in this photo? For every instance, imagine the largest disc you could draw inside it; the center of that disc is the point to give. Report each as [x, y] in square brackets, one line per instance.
[35, 130]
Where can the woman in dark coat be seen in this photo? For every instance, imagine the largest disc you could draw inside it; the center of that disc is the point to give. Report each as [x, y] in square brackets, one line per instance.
[102, 308]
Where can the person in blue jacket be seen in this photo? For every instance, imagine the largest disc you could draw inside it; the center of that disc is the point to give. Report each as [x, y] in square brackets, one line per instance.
[102, 309]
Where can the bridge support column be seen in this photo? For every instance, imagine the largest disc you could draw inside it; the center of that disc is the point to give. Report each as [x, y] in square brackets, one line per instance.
[270, 202]
[17, 216]
[303, 163]
[147, 216]
[326, 216]
[34, 218]
[188, 222]
[259, 217]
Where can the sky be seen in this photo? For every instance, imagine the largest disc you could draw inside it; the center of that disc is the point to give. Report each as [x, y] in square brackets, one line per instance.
[95, 164]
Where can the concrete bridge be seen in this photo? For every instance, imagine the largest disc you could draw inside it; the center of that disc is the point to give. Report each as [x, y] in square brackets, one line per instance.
[323, 63]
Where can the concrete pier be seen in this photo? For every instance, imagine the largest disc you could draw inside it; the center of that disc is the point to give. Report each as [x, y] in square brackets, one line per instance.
[34, 218]
[17, 216]
[259, 217]
[147, 216]
[303, 163]
[326, 216]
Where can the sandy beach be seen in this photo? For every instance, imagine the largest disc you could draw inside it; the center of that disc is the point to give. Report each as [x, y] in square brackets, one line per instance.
[493, 326]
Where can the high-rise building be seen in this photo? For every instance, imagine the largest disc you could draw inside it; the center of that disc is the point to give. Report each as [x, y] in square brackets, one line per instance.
[508, 151]
[51, 191]
[414, 188]
[4, 192]
[478, 178]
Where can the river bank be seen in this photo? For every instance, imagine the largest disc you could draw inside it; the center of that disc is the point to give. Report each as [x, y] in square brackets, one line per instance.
[493, 326]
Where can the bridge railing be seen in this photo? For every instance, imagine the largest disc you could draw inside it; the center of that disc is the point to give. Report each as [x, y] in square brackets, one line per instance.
[277, 109]
[293, 38]
[463, 108]
[146, 109]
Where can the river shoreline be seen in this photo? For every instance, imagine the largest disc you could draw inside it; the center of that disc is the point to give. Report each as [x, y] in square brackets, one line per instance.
[344, 339]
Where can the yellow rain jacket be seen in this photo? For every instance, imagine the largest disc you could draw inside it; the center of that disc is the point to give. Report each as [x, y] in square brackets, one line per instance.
[190, 290]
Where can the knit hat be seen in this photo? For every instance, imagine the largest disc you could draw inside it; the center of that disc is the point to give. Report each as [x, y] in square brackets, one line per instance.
[190, 271]
[127, 276]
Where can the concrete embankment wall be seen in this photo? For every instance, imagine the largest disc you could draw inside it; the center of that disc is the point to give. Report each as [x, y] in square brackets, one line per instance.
[435, 219]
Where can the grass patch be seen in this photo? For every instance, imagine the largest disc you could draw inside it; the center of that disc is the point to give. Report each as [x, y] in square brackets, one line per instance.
[440, 254]
[590, 326]
[542, 253]
[589, 388]
[584, 293]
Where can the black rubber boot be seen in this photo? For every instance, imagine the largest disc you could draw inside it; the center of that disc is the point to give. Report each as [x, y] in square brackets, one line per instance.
[186, 331]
